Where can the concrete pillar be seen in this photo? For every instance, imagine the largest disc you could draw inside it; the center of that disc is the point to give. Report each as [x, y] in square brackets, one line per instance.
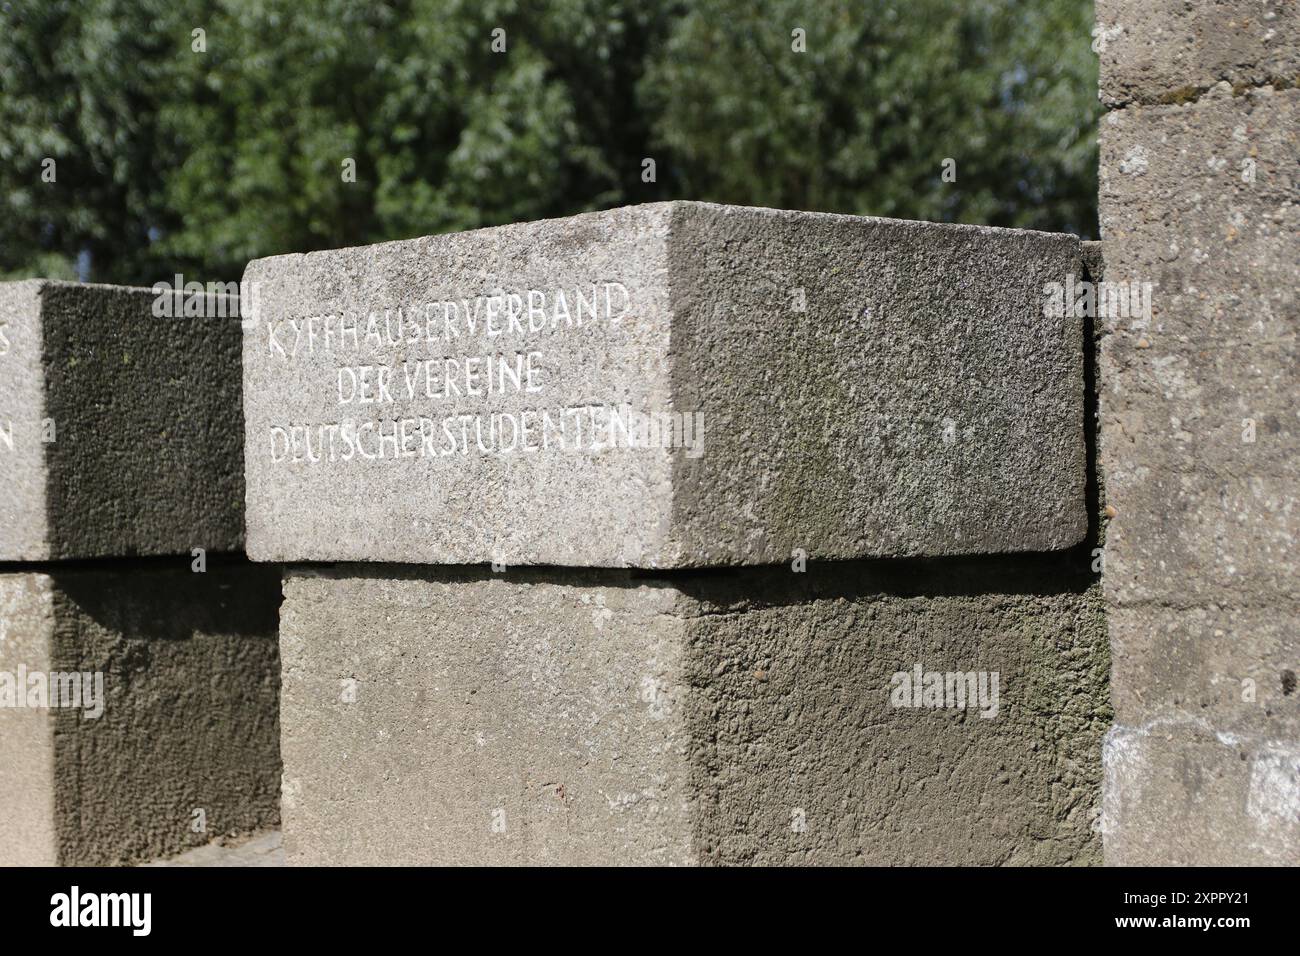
[173, 740]
[751, 513]
[548, 716]
[1199, 445]
[138, 659]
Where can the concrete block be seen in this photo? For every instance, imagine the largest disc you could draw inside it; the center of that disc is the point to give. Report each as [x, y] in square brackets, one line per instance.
[183, 670]
[1192, 539]
[439, 716]
[1181, 793]
[1198, 186]
[27, 828]
[1169, 50]
[262, 849]
[1094, 260]
[1200, 446]
[1236, 667]
[1230, 405]
[1199, 432]
[1199, 201]
[120, 432]
[839, 385]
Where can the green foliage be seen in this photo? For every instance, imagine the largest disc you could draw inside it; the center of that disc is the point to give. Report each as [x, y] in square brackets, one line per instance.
[171, 160]
[81, 83]
[862, 121]
[44, 265]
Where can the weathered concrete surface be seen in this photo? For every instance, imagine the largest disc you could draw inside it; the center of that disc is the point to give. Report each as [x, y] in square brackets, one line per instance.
[1180, 793]
[27, 831]
[1201, 199]
[1155, 51]
[23, 520]
[144, 456]
[1199, 433]
[456, 716]
[867, 387]
[190, 671]
[1203, 515]
[1233, 666]
[261, 849]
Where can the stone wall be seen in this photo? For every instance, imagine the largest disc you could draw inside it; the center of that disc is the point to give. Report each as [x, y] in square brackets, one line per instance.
[1199, 444]
[861, 622]
[139, 667]
[732, 718]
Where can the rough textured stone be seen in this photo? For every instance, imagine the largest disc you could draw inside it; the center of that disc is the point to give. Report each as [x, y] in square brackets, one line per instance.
[1179, 793]
[1199, 438]
[456, 716]
[1169, 50]
[868, 387]
[262, 849]
[190, 672]
[1233, 666]
[27, 831]
[147, 435]
[1178, 209]
[1199, 432]
[1094, 259]
[1191, 540]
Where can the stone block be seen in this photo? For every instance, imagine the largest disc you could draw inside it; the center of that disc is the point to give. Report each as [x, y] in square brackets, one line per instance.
[1199, 201]
[843, 386]
[130, 698]
[1200, 448]
[1235, 667]
[1181, 793]
[1198, 406]
[120, 431]
[1156, 51]
[1198, 186]
[454, 716]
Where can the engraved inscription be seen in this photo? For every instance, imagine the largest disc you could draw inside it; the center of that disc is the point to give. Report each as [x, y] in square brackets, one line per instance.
[417, 380]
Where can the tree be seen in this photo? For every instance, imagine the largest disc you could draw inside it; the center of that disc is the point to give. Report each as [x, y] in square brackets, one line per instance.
[884, 92]
[291, 125]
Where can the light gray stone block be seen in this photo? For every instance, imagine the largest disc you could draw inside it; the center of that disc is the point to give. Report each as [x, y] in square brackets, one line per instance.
[1199, 437]
[1183, 793]
[27, 827]
[1171, 50]
[454, 716]
[1199, 201]
[1198, 190]
[182, 717]
[849, 386]
[1234, 666]
[120, 432]
[262, 849]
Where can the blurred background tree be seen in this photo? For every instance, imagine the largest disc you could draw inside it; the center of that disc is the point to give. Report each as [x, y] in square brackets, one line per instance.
[177, 151]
